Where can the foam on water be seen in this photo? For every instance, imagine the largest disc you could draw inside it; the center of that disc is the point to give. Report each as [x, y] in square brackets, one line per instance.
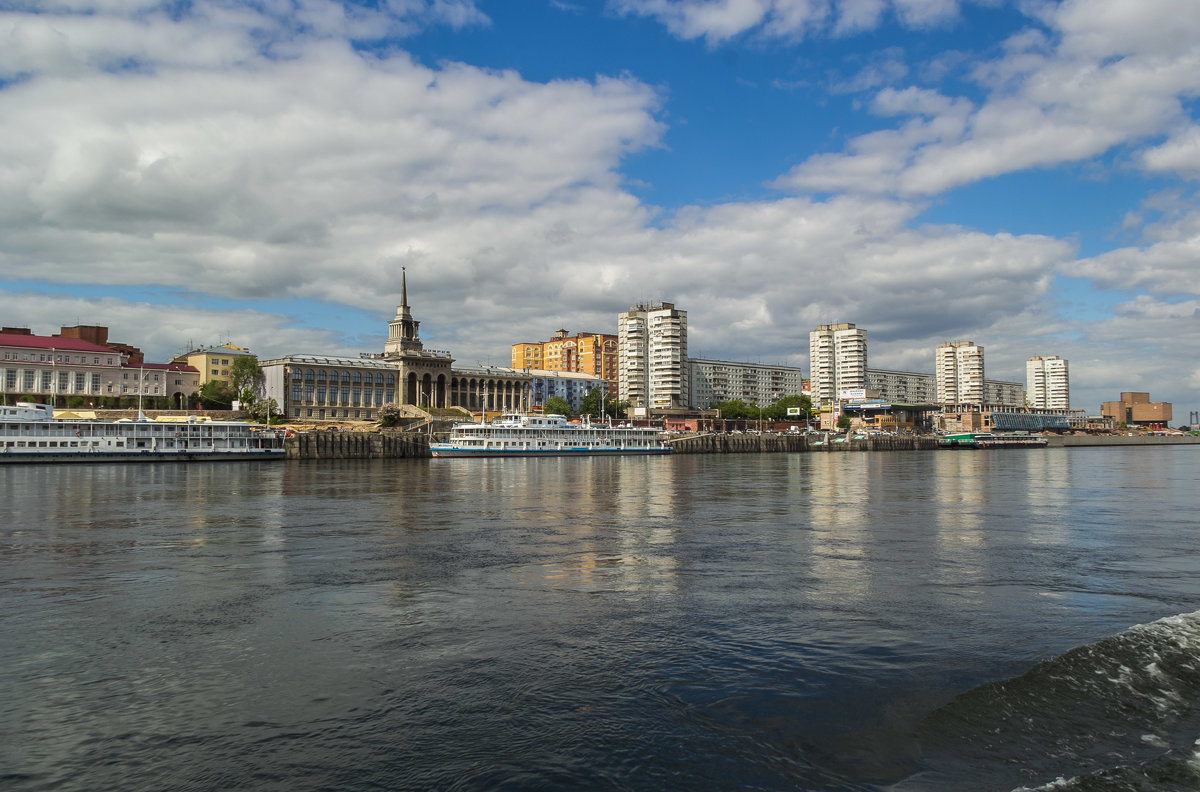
[1121, 713]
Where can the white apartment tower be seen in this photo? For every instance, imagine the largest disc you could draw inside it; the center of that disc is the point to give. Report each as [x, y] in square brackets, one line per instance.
[837, 357]
[958, 373]
[652, 358]
[1048, 383]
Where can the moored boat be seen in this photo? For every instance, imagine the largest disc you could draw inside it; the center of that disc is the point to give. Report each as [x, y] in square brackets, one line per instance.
[970, 440]
[547, 435]
[30, 433]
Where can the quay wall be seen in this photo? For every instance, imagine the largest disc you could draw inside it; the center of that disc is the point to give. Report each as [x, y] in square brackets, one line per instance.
[1083, 441]
[357, 445]
[755, 444]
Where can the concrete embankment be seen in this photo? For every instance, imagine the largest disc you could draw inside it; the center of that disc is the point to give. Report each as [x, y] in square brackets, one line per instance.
[755, 444]
[357, 445]
[1083, 441]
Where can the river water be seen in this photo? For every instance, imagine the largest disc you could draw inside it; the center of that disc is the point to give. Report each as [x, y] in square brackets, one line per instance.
[828, 621]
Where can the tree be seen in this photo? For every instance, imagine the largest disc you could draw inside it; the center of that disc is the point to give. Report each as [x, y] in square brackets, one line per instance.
[843, 421]
[594, 403]
[215, 395]
[736, 409]
[246, 378]
[389, 415]
[557, 405]
[778, 410]
[262, 409]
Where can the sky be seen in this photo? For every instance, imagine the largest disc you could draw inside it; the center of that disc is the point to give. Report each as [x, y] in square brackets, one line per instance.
[1021, 174]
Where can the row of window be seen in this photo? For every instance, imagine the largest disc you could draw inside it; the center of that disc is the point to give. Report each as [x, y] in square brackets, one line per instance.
[320, 375]
[43, 357]
[319, 413]
[352, 396]
[30, 381]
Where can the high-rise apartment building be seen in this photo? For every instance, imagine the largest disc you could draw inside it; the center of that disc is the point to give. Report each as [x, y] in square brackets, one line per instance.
[652, 360]
[1048, 382]
[958, 373]
[837, 356]
[582, 353]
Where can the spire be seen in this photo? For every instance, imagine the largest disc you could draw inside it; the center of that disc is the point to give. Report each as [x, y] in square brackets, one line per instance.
[403, 287]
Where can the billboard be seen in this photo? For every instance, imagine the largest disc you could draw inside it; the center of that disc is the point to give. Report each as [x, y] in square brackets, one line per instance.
[853, 393]
[793, 410]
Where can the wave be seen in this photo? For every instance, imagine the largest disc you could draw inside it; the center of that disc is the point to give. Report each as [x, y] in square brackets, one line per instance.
[1119, 714]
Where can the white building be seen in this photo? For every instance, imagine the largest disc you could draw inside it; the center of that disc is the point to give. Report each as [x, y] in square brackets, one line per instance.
[1048, 382]
[652, 357]
[837, 355]
[715, 381]
[958, 373]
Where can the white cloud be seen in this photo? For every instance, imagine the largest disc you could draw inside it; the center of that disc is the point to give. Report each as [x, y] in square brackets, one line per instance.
[1103, 85]
[718, 21]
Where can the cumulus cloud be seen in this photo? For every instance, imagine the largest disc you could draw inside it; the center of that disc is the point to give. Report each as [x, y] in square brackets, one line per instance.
[1106, 81]
[717, 21]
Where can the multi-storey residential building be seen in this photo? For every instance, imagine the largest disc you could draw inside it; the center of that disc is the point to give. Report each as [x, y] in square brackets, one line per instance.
[837, 355]
[715, 381]
[212, 362]
[1001, 393]
[568, 385]
[905, 387]
[1048, 382]
[583, 353]
[958, 372]
[652, 357]
[65, 370]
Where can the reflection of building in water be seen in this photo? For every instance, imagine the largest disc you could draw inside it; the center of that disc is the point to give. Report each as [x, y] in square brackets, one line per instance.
[840, 527]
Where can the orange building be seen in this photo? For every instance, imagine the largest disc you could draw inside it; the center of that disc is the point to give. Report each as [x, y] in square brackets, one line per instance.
[1136, 409]
[582, 353]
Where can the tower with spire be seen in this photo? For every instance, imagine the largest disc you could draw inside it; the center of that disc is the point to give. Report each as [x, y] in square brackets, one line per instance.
[424, 374]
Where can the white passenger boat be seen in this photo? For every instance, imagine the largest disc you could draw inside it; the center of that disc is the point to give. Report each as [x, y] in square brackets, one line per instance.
[547, 435]
[29, 433]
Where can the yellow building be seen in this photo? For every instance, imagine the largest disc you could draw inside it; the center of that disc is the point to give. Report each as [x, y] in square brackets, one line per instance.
[213, 362]
[582, 353]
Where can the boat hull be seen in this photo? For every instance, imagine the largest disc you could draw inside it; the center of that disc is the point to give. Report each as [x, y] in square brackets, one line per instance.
[449, 451]
[138, 455]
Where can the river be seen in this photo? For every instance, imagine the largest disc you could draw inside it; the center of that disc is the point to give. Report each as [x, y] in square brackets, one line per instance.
[900, 621]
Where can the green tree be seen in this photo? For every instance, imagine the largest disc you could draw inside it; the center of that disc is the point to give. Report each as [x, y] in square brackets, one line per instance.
[557, 405]
[594, 403]
[779, 410]
[736, 409]
[843, 421]
[246, 378]
[215, 395]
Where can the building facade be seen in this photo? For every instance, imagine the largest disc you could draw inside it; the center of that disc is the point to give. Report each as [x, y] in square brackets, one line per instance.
[68, 371]
[715, 381]
[652, 370]
[424, 374]
[1136, 409]
[1048, 382]
[594, 354]
[568, 385]
[904, 387]
[958, 373]
[1001, 393]
[213, 362]
[837, 355]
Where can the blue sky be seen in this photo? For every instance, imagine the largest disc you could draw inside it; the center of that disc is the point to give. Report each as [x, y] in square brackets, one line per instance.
[1018, 174]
